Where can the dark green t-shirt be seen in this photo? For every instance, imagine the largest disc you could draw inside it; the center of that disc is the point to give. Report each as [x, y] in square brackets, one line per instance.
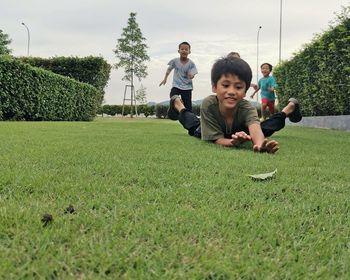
[213, 125]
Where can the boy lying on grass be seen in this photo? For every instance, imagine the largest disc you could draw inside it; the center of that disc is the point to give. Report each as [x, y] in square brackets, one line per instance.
[228, 119]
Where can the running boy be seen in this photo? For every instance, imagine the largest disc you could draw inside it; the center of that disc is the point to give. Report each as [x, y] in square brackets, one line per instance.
[267, 84]
[237, 55]
[234, 55]
[228, 119]
[184, 72]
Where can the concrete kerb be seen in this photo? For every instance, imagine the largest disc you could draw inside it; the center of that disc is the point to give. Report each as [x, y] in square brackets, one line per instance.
[331, 122]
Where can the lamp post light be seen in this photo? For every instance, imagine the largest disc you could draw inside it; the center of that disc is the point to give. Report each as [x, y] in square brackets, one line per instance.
[28, 37]
[280, 42]
[257, 58]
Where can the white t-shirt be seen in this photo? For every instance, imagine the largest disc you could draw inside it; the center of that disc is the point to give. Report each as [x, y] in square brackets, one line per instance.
[181, 71]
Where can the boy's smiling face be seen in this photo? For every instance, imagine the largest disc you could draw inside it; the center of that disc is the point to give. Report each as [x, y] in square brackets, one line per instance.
[265, 70]
[230, 90]
[184, 50]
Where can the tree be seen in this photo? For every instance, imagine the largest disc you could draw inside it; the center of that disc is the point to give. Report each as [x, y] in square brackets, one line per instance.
[131, 54]
[4, 41]
[141, 96]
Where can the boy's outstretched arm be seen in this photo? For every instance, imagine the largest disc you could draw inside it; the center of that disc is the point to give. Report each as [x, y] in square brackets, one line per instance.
[254, 86]
[237, 138]
[260, 143]
[255, 91]
[166, 77]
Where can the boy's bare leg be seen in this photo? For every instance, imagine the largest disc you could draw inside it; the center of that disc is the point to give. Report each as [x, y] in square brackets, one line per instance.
[292, 110]
[289, 108]
[175, 107]
[179, 106]
[277, 121]
[187, 118]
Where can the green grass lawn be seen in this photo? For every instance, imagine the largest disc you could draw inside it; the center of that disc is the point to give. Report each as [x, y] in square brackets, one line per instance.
[150, 202]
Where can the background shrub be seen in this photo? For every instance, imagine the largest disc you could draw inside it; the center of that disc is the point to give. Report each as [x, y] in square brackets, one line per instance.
[114, 110]
[161, 111]
[29, 93]
[319, 75]
[91, 70]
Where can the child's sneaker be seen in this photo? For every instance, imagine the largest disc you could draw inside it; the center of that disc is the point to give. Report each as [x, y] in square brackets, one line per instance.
[295, 116]
[172, 113]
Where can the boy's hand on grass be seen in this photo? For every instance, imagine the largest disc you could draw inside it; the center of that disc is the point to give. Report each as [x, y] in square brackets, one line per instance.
[240, 137]
[267, 146]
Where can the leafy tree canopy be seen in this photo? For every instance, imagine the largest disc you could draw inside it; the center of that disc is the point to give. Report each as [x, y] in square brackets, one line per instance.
[141, 96]
[131, 51]
[4, 42]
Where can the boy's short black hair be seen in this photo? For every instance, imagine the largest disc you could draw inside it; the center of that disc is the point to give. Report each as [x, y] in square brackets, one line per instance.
[233, 54]
[185, 43]
[268, 64]
[233, 66]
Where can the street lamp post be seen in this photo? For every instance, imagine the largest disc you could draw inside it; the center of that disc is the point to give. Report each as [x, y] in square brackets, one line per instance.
[28, 37]
[279, 52]
[257, 58]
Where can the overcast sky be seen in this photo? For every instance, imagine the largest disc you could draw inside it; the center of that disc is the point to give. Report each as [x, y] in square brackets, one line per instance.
[213, 28]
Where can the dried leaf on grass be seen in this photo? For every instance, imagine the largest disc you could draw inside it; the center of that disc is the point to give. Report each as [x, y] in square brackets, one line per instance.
[263, 176]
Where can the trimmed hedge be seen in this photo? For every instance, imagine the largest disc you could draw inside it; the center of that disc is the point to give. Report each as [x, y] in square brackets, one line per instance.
[160, 110]
[91, 70]
[29, 93]
[114, 110]
[319, 75]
